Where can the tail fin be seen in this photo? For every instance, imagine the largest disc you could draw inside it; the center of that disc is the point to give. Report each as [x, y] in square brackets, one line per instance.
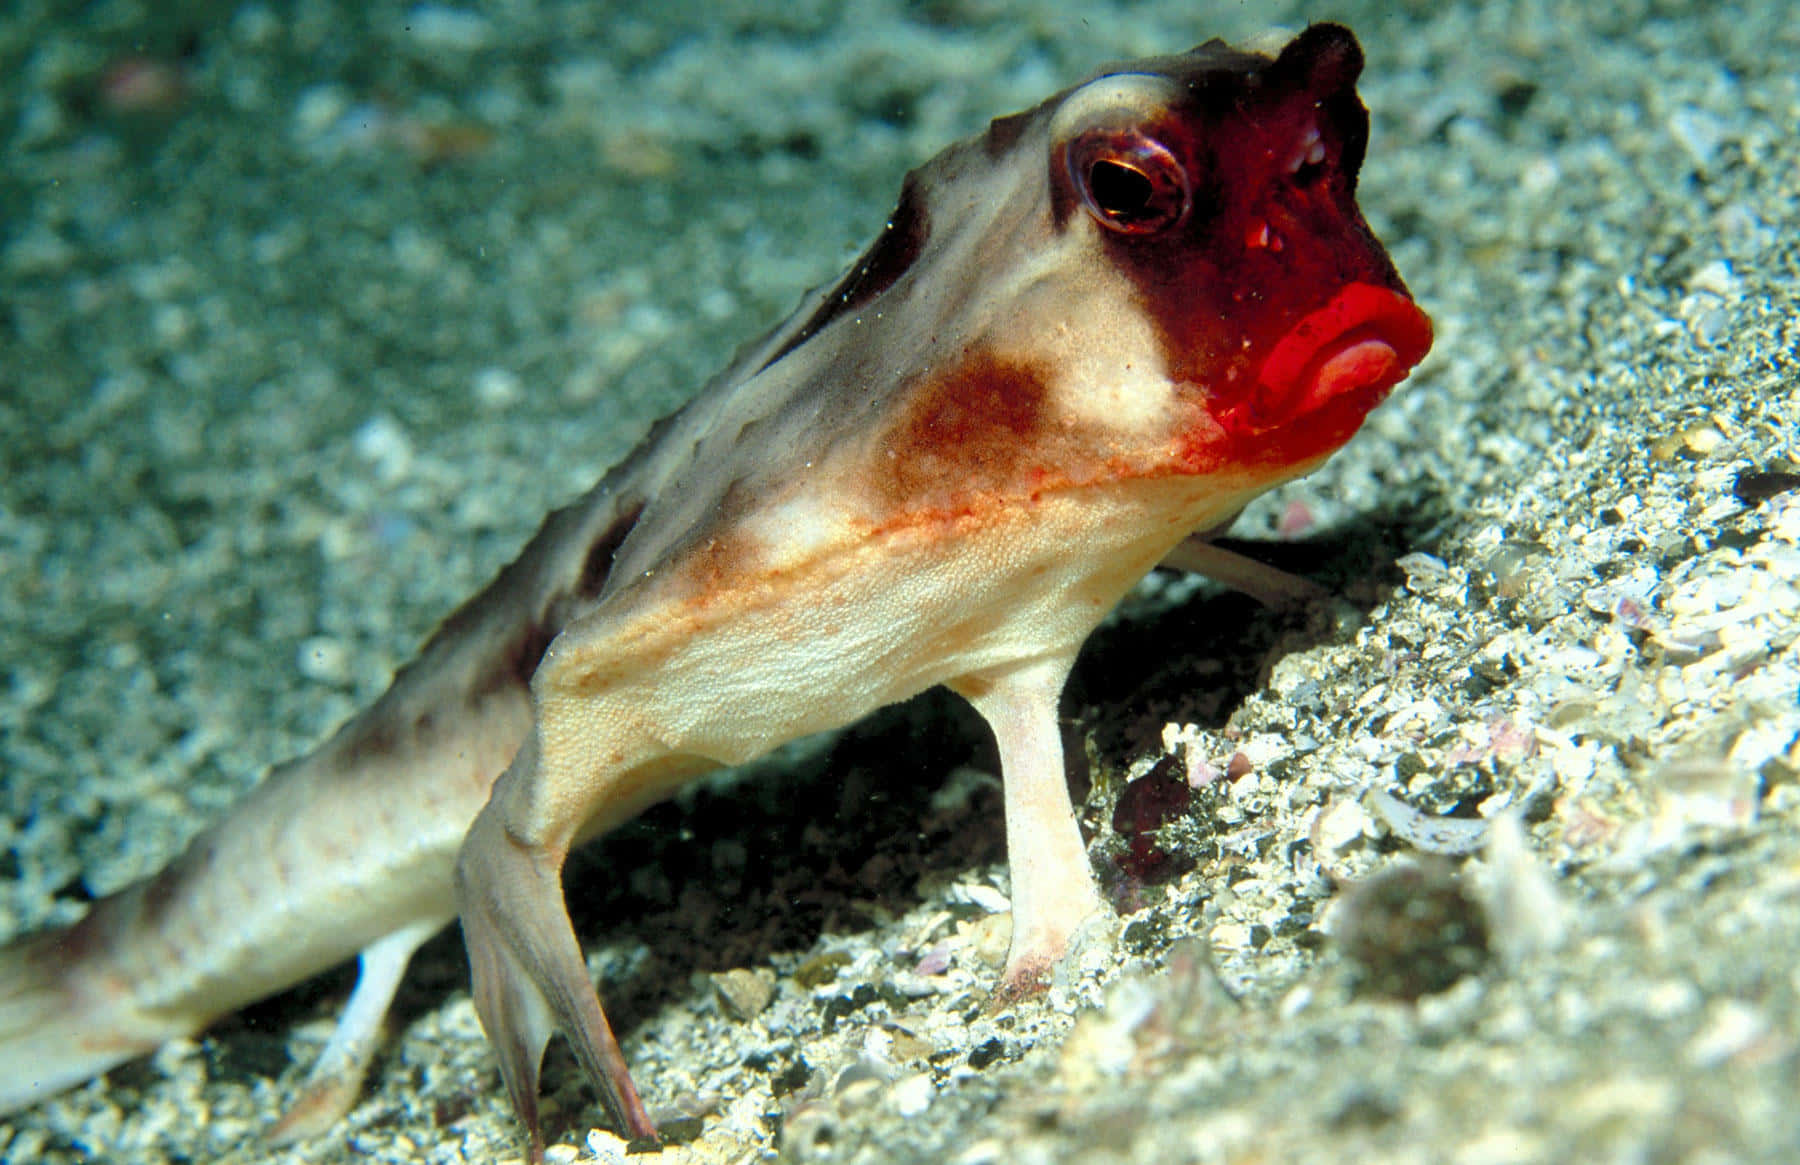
[348, 849]
[59, 1028]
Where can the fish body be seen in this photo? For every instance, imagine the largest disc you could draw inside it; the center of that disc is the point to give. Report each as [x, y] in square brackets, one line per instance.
[1096, 329]
[1103, 325]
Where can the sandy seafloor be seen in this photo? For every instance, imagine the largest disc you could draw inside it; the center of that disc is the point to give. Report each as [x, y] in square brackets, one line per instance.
[293, 356]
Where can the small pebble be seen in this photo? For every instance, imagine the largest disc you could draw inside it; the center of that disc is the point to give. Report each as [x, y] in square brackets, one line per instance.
[497, 388]
[385, 447]
[744, 992]
[325, 660]
[912, 1096]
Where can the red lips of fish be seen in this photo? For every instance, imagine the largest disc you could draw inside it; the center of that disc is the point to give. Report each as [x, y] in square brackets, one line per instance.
[1345, 357]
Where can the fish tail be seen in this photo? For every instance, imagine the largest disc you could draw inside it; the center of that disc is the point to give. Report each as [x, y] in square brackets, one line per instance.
[66, 1015]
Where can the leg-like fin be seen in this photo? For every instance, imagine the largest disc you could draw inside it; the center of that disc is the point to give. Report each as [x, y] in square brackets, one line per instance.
[1268, 585]
[1052, 884]
[529, 977]
[336, 1078]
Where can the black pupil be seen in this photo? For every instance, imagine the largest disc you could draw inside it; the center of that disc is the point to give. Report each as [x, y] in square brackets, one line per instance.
[1121, 191]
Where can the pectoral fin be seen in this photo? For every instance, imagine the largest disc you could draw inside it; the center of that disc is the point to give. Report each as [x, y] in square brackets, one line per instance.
[1052, 884]
[336, 1078]
[1268, 585]
[529, 977]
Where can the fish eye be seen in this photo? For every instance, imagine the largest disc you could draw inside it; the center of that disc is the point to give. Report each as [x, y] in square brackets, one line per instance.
[1129, 182]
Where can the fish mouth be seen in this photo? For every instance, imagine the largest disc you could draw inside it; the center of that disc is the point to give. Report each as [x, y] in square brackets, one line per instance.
[1345, 357]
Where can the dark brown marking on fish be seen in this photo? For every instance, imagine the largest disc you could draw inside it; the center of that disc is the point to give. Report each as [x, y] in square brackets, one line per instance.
[887, 259]
[369, 735]
[160, 894]
[519, 662]
[596, 567]
[971, 429]
[1003, 133]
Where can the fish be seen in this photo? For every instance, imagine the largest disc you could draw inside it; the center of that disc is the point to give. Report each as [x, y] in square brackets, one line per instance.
[1084, 340]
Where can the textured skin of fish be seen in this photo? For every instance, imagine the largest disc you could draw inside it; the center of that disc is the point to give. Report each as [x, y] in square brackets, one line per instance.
[1100, 327]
